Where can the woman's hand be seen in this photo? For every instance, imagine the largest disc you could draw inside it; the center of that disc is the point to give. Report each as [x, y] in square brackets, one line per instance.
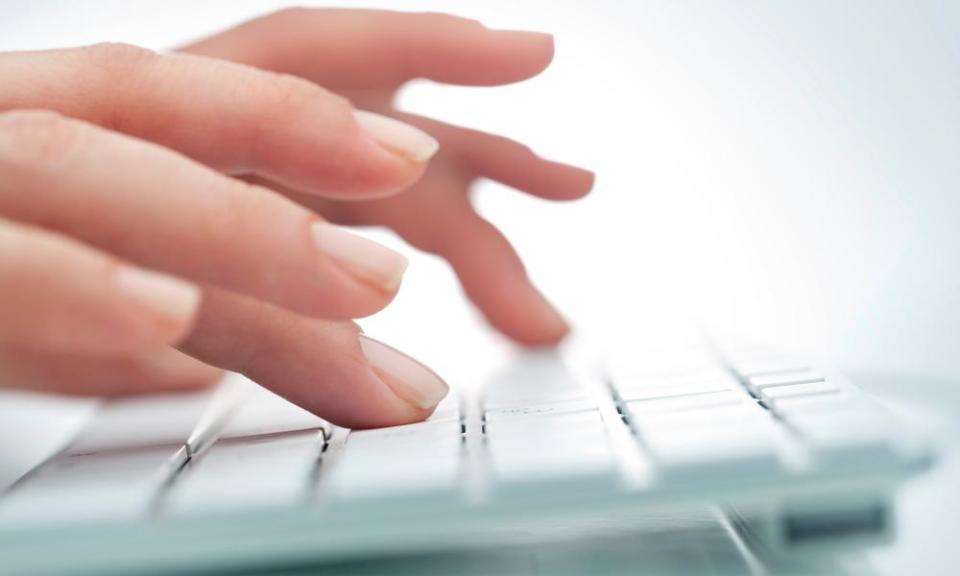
[368, 56]
[121, 233]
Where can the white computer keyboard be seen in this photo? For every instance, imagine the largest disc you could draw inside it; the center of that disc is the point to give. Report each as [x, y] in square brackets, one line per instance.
[238, 476]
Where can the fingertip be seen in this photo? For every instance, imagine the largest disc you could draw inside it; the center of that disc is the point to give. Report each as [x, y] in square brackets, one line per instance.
[541, 325]
[572, 182]
[409, 379]
[397, 137]
[541, 46]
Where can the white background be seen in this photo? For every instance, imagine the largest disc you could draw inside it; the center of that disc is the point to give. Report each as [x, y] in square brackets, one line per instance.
[788, 169]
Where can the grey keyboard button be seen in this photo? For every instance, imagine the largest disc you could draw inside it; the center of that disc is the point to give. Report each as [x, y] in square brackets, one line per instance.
[707, 417]
[247, 473]
[758, 383]
[570, 448]
[142, 421]
[689, 402]
[680, 388]
[726, 454]
[860, 435]
[541, 379]
[547, 409]
[448, 409]
[525, 397]
[821, 403]
[410, 460]
[775, 393]
[101, 487]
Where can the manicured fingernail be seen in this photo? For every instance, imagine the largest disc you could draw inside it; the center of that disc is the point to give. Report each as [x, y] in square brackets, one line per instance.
[408, 378]
[398, 137]
[366, 260]
[165, 295]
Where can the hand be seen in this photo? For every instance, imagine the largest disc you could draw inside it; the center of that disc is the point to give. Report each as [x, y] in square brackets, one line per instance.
[108, 241]
[368, 56]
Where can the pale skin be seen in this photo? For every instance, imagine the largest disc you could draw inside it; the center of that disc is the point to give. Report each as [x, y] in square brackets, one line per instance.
[164, 217]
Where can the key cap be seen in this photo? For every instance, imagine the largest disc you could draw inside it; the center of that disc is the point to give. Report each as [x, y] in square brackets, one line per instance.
[723, 454]
[708, 417]
[757, 383]
[264, 412]
[689, 402]
[850, 438]
[448, 409]
[681, 388]
[141, 421]
[771, 394]
[572, 449]
[247, 473]
[420, 461]
[546, 409]
[640, 379]
[86, 488]
[535, 380]
[814, 404]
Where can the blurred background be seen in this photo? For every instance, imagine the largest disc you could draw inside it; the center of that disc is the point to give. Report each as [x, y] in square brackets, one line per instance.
[784, 169]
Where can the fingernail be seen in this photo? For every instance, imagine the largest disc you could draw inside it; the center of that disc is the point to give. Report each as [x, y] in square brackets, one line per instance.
[408, 378]
[163, 294]
[398, 137]
[365, 259]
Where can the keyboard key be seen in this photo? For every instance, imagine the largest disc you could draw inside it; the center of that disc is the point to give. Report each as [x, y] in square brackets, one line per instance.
[572, 449]
[758, 383]
[101, 487]
[771, 394]
[821, 403]
[643, 378]
[448, 409]
[142, 421]
[681, 388]
[547, 409]
[725, 454]
[541, 378]
[248, 473]
[689, 402]
[707, 417]
[421, 459]
[848, 438]
[264, 412]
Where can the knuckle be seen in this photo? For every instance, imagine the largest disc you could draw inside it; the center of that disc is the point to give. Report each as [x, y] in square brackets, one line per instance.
[292, 13]
[116, 58]
[37, 138]
[292, 97]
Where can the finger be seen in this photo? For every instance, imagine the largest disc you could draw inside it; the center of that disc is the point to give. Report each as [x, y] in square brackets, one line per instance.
[59, 295]
[230, 117]
[494, 278]
[507, 161]
[328, 368]
[350, 49]
[488, 267]
[155, 207]
[166, 370]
